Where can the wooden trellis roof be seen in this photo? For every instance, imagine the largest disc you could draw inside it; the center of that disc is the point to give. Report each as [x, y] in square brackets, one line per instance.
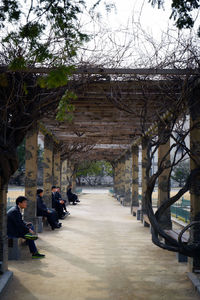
[113, 112]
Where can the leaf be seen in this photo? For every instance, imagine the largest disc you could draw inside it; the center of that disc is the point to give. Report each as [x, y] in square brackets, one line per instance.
[65, 108]
[56, 78]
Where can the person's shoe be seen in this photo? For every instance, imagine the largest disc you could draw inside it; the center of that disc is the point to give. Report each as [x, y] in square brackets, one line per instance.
[78, 201]
[58, 225]
[30, 236]
[74, 203]
[38, 255]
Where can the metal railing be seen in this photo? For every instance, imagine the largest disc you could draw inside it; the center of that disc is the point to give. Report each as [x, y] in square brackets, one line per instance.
[180, 213]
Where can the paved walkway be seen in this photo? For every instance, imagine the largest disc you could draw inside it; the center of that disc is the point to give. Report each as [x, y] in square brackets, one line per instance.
[101, 253]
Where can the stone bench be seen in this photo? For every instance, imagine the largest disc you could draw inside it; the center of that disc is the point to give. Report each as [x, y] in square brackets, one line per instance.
[40, 224]
[14, 248]
[185, 237]
[146, 221]
[136, 211]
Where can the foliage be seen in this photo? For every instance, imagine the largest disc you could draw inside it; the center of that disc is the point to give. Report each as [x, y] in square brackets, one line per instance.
[94, 168]
[181, 12]
[21, 149]
[21, 153]
[40, 31]
[181, 173]
[65, 105]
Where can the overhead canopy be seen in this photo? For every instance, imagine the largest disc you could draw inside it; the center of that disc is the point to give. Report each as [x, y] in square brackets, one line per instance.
[112, 111]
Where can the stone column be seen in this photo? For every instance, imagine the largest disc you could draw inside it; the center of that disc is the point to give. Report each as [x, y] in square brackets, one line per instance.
[163, 179]
[128, 178]
[73, 178]
[122, 176]
[115, 181]
[69, 172]
[135, 174]
[31, 176]
[119, 177]
[56, 167]
[144, 179]
[195, 163]
[64, 182]
[48, 169]
[3, 230]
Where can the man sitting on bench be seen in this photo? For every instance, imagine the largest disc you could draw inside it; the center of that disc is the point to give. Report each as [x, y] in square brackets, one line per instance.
[57, 204]
[50, 214]
[17, 228]
[71, 197]
[59, 197]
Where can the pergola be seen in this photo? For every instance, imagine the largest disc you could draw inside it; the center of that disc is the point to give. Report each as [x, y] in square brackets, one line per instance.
[115, 109]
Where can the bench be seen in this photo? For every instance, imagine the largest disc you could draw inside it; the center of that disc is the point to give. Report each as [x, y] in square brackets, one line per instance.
[40, 224]
[136, 211]
[146, 221]
[174, 233]
[14, 248]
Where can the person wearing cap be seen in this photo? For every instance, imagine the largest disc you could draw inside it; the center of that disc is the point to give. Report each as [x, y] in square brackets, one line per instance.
[43, 210]
[17, 228]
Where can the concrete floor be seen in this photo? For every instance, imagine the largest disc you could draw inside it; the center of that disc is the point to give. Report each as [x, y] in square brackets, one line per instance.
[101, 253]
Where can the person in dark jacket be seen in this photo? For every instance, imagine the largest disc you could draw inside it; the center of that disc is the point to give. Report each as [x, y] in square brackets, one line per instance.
[71, 197]
[42, 210]
[59, 197]
[16, 227]
[57, 203]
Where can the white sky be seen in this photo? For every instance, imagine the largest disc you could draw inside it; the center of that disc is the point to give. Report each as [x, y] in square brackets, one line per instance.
[129, 31]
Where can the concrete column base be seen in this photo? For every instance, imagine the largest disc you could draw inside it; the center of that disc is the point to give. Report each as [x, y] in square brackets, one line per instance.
[5, 278]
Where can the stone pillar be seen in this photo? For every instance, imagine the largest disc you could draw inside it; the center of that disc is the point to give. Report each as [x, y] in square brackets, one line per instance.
[73, 167]
[115, 174]
[163, 182]
[69, 172]
[122, 176]
[48, 169]
[119, 176]
[128, 178]
[56, 167]
[135, 174]
[195, 188]
[3, 230]
[64, 182]
[31, 176]
[144, 179]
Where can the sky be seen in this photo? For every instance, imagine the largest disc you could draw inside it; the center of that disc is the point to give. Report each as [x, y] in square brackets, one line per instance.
[129, 33]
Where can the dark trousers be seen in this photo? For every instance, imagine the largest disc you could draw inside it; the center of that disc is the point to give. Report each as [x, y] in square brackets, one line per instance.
[32, 246]
[72, 198]
[59, 210]
[52, 217]
[30, 243]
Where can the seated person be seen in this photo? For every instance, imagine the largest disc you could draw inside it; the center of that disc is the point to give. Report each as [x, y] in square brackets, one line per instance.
[59, 197]
[71, 197]
[57, 203]
[42, 210]
[16, 227]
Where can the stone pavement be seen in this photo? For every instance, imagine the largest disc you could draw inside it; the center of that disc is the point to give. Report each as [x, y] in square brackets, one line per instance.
[101, 253]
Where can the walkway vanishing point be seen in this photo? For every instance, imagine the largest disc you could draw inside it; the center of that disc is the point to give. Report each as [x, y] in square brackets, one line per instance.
[101, 253]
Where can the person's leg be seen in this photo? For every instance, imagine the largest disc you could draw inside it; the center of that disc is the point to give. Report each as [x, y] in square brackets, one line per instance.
[32, 246]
